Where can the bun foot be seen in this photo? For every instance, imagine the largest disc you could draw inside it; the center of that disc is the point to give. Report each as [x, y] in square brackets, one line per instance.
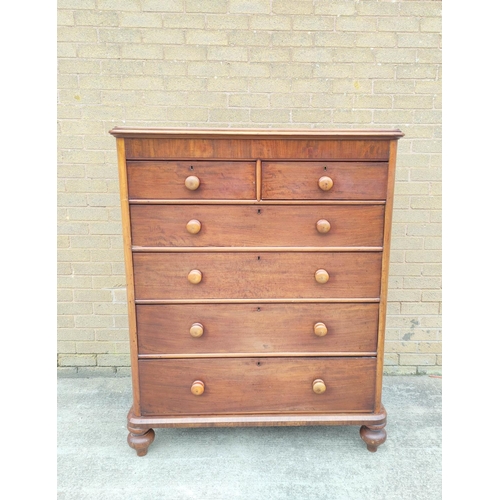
[373, 436]
[139, 440]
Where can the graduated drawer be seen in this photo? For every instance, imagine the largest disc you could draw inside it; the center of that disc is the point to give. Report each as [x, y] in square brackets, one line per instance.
[268, 225]
[256, 328]
[256, 385]
[299, 180]
[256, 275]
[230, 180]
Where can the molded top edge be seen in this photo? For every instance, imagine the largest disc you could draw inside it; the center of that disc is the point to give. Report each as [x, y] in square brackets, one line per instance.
[268, 133]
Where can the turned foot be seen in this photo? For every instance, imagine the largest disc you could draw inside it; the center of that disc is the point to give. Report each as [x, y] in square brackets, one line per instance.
[373, 436]
[140, 439]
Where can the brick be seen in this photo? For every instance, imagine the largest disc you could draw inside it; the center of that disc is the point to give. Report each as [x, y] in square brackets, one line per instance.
[108, 282]
[99, 82]
[140, 20]
[113, 360]
[94, 347]
[420, 308]
[225, 84]
[63, 241]
[434, 243]
[334, 8]
[407, 243]
[433, 88]
[227, 22]
[259, 54]
[65, 18]
[205, 6]
[129, 5]
[419, 40]
[422, 282]
[292, 100]
[76, 34]
[312, 55]
[358, 54]
[121, 322]
[292, 70]
[317, 87]
[95, 18]
[271, 23]
[215, 68]
[426, 202]
[185, 84]
[404, 295]
[431, 295]
[166, 68]
[91, 268]
[429, 370]
[229, 115]
[119, 35]
[412, 101]
[76, 4]
[436, 189]
[227, 54]
[249, 100]
[400, 347]
[430, 24]
[400, 370]
[351, 116]
[399, 24]
[75, 334]
[270, 115]
[217, 99]
[421, 8]
[292, 39]
[405, 188]
[74, 282]
[377, 8]
[143, 82]
[332, 39]
[93, 321]
[99, 51]
[78, 66]
[93, 296]
[340, 85]
[184, 21]
[133, 113]
[254, 70]
[72, 228]
[250, 6]
[416, 71]
[429, 56]
[319, 100]
[311, 116]
[385, 55]
[376, 40]
[423, 256]
[425, 174]
[76, 360]
[292, 7]
[183, 114]
[249, 38]
[419, 334]
[90, 241]
[112, 335]
[73, 255]
[162, 5]
[424, 230]
[417, 359]
[356, 23]
[405, 269]
[65, 321]
[392, 116]
[66, 50]
[313, 23]
[136, 51]
[162, 36]
[205, 37]
[431, 269]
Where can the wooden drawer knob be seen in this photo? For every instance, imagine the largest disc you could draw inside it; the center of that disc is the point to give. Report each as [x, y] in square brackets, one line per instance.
[193, 226]
[192, 182]
[197, 387]
[321, 276]
[196, 330]
[325, 183]
[320, 329]
[319, 387]
[194, 276]
[323, 226]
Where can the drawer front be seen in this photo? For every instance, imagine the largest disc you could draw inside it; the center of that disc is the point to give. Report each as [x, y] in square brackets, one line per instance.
[228, 180]
[300, 180]
[167, 225]
[256, 328]
[258, 385]
[254, 275]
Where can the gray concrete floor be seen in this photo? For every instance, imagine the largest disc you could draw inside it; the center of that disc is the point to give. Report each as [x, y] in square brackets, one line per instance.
[268, 463]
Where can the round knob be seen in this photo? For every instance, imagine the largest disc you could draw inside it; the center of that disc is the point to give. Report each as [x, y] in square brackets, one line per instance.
[193, 226]
[195, 276]
[320, 329]
[197, 387]
[321, 276]
[192, 182]
[325, 183]
[319, 386]
[196, 330]
[323, 226]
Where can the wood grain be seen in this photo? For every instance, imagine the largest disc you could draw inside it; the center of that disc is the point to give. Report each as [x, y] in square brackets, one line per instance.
[254, 328]
[166, 179]
[254, 275]
[299, 180]
[165, 225]
[256, 385]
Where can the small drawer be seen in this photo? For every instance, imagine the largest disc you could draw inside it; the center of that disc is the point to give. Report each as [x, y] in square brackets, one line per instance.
[257, 328]
[224, 180]
[324, 180]
[257, 385]
[265, 225]
[255, 275]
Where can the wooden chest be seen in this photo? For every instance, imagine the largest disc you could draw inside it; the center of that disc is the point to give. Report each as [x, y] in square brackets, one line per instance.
[257, 265]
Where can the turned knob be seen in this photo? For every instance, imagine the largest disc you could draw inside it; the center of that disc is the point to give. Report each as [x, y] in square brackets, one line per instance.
[320, 329]
[323, 226]
[325, 183]
[193, 226]
[195, 276]
[197, 387]
[192, 182]
[196, 330]
[321, 276]
[319, 386]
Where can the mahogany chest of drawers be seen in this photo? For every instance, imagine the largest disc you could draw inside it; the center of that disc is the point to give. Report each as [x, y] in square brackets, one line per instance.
[257, 265]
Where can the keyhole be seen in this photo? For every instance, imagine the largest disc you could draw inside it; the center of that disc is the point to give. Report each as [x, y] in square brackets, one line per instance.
[192, 168]
[258, 309]
[258, 258]
[258, 363]
[258, 211]
[325, 168]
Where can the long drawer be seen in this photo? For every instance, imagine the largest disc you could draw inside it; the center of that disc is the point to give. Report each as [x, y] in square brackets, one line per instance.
[255, 275]
[298, 180]
[256, 385]
[256, 328]
[214, 225]
[178, 180]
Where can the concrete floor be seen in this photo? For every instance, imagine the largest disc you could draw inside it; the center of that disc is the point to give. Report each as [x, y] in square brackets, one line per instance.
[268, 463]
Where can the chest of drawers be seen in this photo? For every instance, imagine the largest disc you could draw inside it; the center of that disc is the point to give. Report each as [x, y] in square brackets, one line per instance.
[256, 265]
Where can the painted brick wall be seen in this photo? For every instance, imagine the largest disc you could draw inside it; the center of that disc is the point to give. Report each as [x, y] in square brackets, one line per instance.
[243, 63]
